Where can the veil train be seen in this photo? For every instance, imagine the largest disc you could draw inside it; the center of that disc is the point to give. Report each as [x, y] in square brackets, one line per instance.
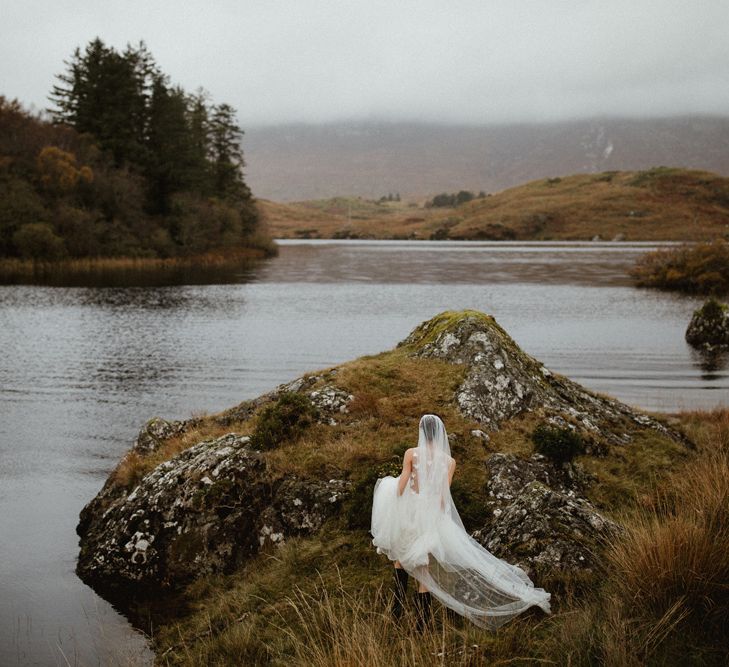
[422, 529]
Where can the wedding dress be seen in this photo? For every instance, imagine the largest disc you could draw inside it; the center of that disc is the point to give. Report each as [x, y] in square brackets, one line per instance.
[422, 529]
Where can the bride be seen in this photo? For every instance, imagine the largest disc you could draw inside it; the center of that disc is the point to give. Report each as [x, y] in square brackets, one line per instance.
[416, 524]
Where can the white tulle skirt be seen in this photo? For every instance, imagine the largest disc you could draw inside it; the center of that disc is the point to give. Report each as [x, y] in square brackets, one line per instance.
[435, 549]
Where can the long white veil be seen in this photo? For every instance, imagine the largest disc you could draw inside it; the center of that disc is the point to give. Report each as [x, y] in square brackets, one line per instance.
[434, 547]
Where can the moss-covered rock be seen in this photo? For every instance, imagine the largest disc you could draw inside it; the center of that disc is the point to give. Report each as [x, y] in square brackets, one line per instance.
[205, 511]
[219, 499]
[502, 381]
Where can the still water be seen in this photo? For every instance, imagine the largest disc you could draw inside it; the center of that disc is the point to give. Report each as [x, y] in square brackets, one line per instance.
[82, 368]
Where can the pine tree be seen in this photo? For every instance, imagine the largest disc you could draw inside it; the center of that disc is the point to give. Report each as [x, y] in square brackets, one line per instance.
[103, 93]
[168, 143]
[198, 122]
[227, 154]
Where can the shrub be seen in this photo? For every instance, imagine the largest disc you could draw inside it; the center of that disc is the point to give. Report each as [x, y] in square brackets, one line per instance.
[556, 443]
[702, 268]
[472, 504]
[286, 419]
[447, 200]
[37, 240]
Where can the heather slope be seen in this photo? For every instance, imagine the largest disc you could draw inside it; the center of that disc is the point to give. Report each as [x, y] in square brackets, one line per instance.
[660, 204]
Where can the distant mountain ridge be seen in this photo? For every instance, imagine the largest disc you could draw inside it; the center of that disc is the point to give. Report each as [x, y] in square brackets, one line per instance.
[297, 162]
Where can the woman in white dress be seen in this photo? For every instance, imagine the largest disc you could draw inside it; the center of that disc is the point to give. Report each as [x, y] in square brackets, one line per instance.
[416, 524]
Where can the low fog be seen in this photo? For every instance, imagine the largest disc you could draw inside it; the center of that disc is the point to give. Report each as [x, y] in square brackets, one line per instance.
[471, 62]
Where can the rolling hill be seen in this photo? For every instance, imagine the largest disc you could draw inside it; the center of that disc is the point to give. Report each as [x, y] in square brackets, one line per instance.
[652, 205]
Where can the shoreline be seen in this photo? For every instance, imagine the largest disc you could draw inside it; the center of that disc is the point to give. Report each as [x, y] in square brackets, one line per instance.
[14, 271]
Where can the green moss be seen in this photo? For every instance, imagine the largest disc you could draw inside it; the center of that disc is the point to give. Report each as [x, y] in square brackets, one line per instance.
[428, 331]
[558, 444]
[284, 420]
[712, 310]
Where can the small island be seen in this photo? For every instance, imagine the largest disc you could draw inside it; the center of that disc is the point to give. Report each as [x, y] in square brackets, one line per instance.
[129, 172]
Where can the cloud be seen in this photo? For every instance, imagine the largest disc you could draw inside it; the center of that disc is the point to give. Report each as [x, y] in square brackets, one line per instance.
[469, 61]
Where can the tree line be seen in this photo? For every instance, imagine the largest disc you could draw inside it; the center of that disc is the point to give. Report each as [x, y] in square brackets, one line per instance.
[128, 164]
[453, 199]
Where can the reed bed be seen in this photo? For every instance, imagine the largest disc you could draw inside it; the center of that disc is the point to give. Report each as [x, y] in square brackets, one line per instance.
[14, 270]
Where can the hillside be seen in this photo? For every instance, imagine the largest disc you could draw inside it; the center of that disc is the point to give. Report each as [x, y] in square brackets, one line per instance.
[253, 521]
[300, 162]
[653, 205]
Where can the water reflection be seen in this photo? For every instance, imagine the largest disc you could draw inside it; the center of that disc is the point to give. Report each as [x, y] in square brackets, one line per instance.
[452, 262]
[711, 362]
[231, 271]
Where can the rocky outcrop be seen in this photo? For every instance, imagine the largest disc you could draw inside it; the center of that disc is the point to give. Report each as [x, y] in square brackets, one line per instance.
[502, 381]
[329, 399]
[206, 510]
[709, 327]
[156, 431]
[539, 515]
[217, 503]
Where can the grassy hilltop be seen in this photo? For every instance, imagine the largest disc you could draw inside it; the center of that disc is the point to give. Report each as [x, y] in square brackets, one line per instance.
[654, 205]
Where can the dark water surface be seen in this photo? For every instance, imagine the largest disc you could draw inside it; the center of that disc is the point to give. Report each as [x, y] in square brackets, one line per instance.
[82, 368]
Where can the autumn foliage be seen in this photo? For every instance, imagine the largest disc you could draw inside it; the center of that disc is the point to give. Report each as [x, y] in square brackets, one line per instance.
[699, 269]
[128, 165]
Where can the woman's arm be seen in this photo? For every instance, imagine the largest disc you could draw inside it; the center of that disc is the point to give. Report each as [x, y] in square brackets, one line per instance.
[407, 466]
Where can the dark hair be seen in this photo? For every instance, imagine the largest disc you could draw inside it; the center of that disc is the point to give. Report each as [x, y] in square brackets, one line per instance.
[429, 424]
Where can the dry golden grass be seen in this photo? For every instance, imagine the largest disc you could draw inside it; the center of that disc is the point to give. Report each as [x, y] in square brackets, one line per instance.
[665, 598]
[699, 269]
[341, 628]
[676, 550]
[326, 603]
[391, 393]
[333, 218]
[660, 598]
[653, 205]
[134, 466]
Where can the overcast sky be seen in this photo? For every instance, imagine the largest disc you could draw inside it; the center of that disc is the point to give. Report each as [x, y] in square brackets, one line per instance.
[473, 61]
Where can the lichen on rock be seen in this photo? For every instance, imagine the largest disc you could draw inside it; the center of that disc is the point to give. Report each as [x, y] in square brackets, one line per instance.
[539, 515]
[330, 401]
[156, 431]
[503, 381]
[199, 513]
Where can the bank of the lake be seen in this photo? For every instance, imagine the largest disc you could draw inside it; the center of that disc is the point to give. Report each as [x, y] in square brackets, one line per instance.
[205, 268]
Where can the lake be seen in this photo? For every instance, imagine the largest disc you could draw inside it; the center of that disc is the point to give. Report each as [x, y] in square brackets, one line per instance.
[83, 367]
